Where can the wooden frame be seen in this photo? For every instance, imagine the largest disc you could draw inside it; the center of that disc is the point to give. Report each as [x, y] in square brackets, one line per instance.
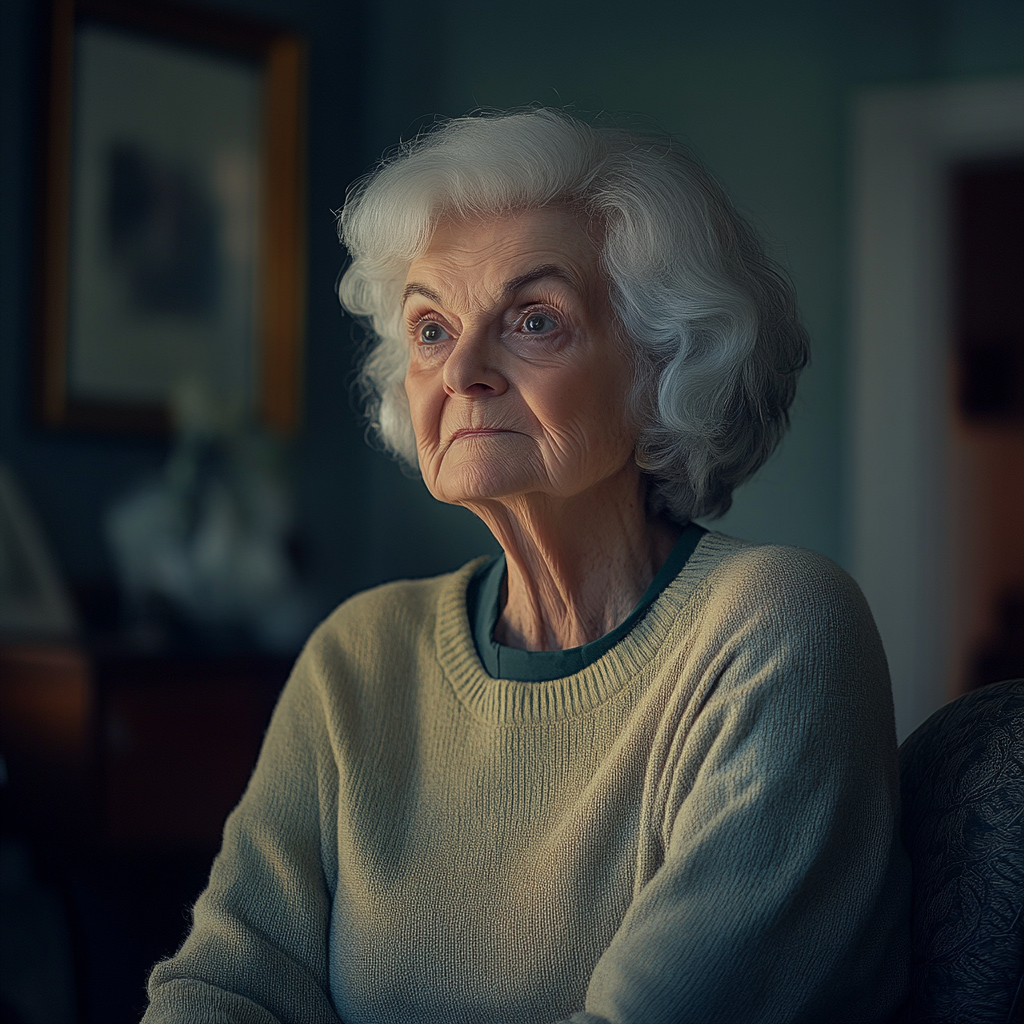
[275, 60]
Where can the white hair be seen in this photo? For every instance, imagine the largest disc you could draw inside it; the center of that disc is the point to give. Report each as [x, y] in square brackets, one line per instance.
[712, 322]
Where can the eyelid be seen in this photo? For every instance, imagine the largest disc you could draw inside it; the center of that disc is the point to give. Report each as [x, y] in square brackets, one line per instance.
[412, 316]
[414, 321]
[418, 306]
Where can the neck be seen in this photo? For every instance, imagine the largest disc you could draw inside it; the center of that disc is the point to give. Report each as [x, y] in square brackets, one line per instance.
[576, 566]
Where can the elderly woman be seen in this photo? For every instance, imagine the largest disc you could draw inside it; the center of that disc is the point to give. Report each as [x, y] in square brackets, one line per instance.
[630, 770]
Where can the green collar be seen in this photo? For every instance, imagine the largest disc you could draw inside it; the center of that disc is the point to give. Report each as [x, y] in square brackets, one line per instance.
[501, 662]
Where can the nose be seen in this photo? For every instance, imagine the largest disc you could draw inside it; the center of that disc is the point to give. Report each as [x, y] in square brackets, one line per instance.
[471, 368]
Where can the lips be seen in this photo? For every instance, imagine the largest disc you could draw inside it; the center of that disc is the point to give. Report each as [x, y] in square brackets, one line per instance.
[476, 432]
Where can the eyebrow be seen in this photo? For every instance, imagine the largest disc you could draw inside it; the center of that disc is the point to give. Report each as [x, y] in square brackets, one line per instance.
[508, 289]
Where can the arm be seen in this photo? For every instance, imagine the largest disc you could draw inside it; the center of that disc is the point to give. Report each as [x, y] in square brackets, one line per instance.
[783, 895]
[257, 952]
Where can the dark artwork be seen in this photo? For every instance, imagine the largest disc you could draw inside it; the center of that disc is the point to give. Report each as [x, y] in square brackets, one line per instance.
[162, 232]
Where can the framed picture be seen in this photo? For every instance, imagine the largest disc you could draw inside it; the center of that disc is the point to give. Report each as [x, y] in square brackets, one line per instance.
[173, 236]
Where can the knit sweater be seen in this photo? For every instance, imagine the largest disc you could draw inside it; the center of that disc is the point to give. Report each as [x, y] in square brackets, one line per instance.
[700, 826]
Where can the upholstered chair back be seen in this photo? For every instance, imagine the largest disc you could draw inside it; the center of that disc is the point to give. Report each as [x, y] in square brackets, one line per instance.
[963, 824]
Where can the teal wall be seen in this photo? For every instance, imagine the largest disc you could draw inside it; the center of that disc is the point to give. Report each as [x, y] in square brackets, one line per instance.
[761, 91]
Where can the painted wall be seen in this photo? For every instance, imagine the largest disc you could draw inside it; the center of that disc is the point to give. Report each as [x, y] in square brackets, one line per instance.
[761, 91]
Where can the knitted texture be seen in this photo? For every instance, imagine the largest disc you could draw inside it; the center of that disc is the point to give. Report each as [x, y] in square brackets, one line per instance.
[701, 826]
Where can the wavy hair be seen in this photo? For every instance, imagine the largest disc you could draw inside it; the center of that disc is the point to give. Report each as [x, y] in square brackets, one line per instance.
[712, 322]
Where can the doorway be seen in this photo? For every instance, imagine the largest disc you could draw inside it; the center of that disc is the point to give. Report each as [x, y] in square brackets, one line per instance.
[911, 533]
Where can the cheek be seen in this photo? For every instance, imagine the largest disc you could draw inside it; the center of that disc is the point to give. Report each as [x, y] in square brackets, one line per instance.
[591, 407]
[612, 388]
[425, 401]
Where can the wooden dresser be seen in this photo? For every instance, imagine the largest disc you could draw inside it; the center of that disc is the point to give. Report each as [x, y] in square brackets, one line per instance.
[107, 749]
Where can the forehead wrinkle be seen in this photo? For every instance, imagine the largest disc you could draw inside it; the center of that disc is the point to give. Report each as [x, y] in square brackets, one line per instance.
[510, 287]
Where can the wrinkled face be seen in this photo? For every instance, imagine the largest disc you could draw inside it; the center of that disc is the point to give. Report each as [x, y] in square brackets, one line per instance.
[516, 382]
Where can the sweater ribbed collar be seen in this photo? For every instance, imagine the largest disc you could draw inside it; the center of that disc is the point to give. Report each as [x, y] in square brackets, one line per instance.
[510, 702]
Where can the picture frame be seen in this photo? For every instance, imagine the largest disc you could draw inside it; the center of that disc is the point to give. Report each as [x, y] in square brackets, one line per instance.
[172, 225]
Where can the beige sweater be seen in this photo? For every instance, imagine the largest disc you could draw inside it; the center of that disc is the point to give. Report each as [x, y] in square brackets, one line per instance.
[701, 826]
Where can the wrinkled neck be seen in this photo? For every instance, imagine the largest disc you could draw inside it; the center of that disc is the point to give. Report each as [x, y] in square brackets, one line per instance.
[577, 566]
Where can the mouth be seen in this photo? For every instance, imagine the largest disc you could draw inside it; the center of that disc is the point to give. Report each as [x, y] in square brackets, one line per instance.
[468, 433]
[475, 432]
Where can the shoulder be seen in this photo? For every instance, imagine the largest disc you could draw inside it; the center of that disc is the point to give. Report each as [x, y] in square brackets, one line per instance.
[791, 619]
[385, 605]
[384, 629]
[774, 583]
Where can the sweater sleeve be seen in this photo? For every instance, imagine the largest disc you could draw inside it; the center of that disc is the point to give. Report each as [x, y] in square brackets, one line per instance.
[783, 893]
[257, 952]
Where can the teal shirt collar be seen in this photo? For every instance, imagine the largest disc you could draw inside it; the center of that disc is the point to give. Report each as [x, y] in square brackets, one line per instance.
[503, 662]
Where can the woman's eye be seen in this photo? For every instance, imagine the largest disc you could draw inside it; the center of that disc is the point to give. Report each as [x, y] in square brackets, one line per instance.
[538, 323]
[431, 333]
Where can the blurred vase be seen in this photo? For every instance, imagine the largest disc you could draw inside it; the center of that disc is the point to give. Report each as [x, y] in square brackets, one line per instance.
[209, 536]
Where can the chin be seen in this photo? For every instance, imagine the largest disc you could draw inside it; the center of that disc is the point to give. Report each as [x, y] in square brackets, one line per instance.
[467, 474]
[471, 482]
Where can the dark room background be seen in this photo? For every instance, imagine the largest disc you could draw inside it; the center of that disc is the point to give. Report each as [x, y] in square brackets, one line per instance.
[762, 91]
